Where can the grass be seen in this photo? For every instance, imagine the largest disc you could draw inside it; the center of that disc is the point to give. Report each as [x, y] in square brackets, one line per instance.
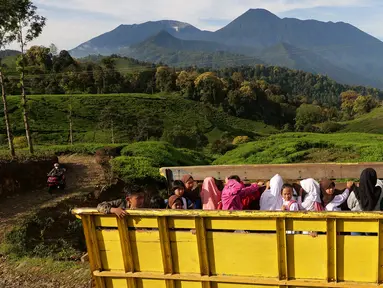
[368, 123]
[49, 117]
[307, 147]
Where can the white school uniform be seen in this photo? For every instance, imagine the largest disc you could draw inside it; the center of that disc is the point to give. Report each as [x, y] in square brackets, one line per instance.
[337, 201]
[271, 200]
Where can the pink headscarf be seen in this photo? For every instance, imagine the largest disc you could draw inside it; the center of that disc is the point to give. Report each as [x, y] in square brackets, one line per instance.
[210, 195]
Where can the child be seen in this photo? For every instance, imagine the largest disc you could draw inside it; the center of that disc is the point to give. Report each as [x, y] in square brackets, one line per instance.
[178, 189]
[289, 204]
[175, 202]
[330, 200]
[134, 198]
[234, 192]
[210, 194]
[312, 200]
[271, 199]
[192, 191]
[157, 202]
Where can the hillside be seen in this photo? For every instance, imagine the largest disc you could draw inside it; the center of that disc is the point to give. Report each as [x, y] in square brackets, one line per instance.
[368, 123]
[307, 147]
[286, 55]
[135, 116]
[7, 53]
[350, 54]
[167, 49]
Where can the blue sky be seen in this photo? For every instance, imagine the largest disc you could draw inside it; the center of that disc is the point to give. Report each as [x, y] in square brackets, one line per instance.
[72, 22]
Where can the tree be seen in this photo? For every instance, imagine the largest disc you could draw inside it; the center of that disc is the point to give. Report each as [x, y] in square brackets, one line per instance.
[307, 115]
[209, 88]
[185, 83]
[165, 79]
[6, 28]
[348, 99]
[364, 104]
[53, 49]
[27, 25]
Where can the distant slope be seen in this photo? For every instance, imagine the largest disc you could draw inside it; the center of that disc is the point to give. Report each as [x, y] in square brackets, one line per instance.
[369, 123]
[287, 55]
[7, 53]
[170, 50]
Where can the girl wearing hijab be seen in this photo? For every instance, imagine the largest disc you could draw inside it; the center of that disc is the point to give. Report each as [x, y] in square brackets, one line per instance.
[210, 194]
[192, 191]
[330, 199]
[271, 199]
[368, 196]
[312, 200]
[234, 192]
[175, 202]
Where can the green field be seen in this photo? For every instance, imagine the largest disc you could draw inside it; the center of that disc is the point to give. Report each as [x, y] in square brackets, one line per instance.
[368, 123]
[308, 147]
[131, 113]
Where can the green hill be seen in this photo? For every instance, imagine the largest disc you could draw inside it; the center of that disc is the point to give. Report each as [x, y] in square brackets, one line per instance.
[368, 123]
[135, 117]
[307, 147]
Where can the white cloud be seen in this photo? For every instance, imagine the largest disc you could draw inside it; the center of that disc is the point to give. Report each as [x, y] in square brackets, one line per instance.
[70, 29]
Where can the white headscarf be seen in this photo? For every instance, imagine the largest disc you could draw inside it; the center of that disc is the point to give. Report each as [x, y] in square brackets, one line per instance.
[312, 189]
[271, 200]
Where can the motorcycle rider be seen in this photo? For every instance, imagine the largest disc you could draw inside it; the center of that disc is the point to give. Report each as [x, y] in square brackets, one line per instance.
[58, 172]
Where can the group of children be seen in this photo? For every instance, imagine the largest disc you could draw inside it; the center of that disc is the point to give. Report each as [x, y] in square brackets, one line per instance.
[275, 195]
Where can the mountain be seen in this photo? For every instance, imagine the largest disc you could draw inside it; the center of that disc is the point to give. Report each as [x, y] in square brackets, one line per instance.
[286, 55]
[126, 35]
[8, 53]
[170, 50]
[339, 49]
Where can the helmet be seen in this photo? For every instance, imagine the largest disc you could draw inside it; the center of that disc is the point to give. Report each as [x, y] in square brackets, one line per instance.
[56, 165]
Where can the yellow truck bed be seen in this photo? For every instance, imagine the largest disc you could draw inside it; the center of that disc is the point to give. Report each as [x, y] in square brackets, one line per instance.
[169, 248]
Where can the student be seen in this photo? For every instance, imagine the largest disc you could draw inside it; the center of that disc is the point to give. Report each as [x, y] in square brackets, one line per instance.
[368, 196]
[134, 198]
[210, 194]
[192, 191]
[175, 202]
[235, 191]
[178, 189]
[271, 199]
[312, 201]
[289, 204]
[330, 200]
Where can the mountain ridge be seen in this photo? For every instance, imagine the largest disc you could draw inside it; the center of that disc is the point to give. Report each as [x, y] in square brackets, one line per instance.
[341, 45]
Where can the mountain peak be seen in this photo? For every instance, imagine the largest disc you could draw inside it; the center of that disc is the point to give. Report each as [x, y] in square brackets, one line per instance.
[259, 13]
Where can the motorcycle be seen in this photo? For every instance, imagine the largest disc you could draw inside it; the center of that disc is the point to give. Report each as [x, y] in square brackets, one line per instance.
[55, 182]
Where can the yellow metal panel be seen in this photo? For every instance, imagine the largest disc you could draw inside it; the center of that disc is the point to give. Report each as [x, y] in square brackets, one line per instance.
[370, 226]
[142, 222]
[181, 223]
[146, 250]
[306, 225]
[116, 283]
[380, 252]
[112, 260]
[108, 235]
[358, 258]
[239, 254]
[105, 221]
[148, 283]
[109, 245]
[230, 285]
[187, 284]
[307, 256]
[240, 224]
[184, 252]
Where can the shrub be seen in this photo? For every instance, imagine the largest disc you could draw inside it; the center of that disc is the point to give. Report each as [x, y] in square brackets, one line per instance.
[241, 140]
[137, 170]
[185, 137]
[20, 142]
[330, 127]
